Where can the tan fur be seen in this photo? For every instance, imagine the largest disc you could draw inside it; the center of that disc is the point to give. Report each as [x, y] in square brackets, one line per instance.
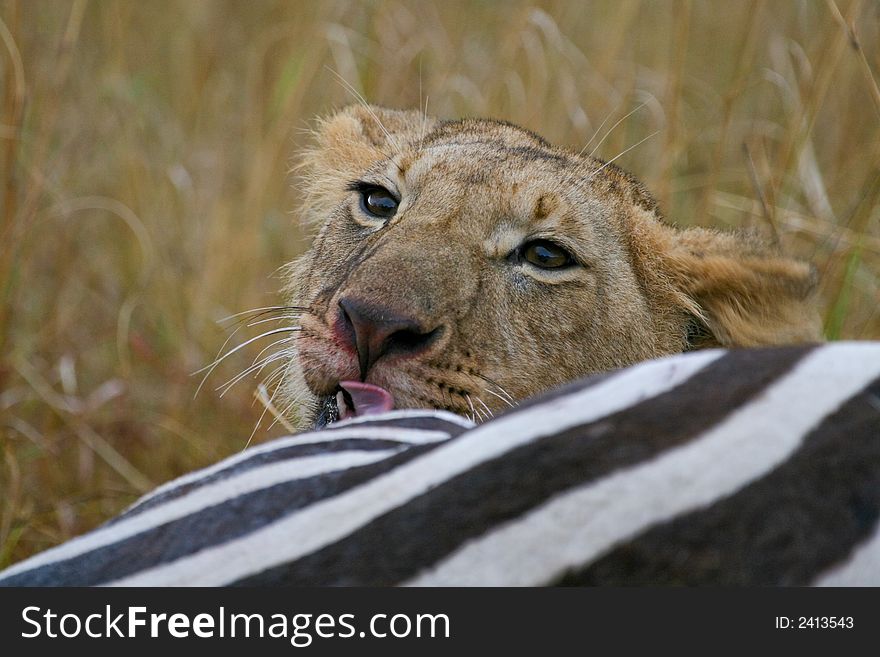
[471, 192]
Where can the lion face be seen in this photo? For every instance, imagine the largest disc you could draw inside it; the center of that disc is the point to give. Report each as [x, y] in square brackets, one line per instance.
[468, 265]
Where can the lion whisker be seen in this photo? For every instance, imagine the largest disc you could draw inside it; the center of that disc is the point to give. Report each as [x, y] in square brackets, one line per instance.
[275, 375]
[477, 413]
[621, 154]
[504, 399]
[265, 349]
[280, 318]
[256, 367]
[483, 404]
[212, 366]
[507, 397]
[258, 310]
[598, 130]
[473, 416]
[363, 102]
[283, 329]
[278, 312]
[424, 121]
[611, 129]
[254, 312]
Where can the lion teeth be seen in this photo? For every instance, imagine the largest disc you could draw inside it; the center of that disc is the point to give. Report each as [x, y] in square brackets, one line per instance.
[345, 410]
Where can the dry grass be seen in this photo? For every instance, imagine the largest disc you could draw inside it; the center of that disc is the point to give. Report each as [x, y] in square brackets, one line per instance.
[144, 150]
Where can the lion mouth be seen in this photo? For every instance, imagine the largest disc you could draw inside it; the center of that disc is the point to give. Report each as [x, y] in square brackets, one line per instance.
[353, 399]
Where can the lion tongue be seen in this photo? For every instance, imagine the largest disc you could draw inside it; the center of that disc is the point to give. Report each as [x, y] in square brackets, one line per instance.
[357, 399]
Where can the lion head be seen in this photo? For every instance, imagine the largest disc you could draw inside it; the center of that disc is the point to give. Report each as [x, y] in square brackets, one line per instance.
[465, 265]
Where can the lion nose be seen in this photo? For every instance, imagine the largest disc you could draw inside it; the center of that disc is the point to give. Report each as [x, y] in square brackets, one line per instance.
[376, 331]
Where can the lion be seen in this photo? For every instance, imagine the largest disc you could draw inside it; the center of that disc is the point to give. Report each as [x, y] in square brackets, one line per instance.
[468, 265]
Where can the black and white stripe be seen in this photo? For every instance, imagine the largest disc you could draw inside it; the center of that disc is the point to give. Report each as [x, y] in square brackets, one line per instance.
[713, 467]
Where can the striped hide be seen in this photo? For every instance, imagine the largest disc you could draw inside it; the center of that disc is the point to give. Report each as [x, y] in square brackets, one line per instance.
[750, 467]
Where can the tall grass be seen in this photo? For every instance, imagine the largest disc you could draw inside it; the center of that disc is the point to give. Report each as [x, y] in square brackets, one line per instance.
[144, 150]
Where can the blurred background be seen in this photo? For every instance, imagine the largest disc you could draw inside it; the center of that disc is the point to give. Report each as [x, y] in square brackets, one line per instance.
[145, 150]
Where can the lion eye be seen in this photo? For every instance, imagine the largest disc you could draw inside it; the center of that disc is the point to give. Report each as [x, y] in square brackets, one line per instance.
[546, 255]
[378, 202]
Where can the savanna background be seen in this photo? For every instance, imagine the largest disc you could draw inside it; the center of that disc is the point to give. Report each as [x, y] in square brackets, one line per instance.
[145, 150]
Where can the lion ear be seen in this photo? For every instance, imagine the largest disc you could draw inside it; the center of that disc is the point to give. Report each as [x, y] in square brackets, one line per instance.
[386, 130]
[347, 144]
[741, 292]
